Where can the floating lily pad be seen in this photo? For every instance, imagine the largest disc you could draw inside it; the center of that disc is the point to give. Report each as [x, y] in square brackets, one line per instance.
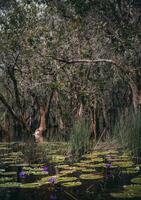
[5, 179]
[65, 172]
[66, 179]
[19, 165]
[48, 178]
[10, 185]
[130, 171]
[72, 184]
[91, 176]
[85, 170]
[123, 164]
[8, 173]
[58, 158]
[39, 165]
[136, 180]
[35, 169]
[85, 165]
[2, 170]
[132, 187]
[30, 185]
[62, 166]
[99, 165]
[38, 173]
[126, 194]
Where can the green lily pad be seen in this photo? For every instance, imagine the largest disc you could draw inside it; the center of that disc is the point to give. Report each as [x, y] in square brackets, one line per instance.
[19, 165]
[91, 176]
[30, 185]
[66, 179]
[85, 170]
[5, 179]
[39, 165]
[85, 165]
[38, 173]
[58, 159]
[71, 184]
[46, 179]
[65, 172]
[136, 180]
[62, 166]
[126, 194]
[99, 165]
[132, 187]
[123, 164]
[130, 171]
[8, 173]
[10, 185]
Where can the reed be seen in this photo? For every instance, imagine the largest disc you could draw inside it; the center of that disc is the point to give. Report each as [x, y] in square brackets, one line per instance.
[128, 131]
[80, 137]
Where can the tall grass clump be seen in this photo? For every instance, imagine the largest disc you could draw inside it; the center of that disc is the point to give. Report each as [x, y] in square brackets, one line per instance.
[80, 137]
[128, 132]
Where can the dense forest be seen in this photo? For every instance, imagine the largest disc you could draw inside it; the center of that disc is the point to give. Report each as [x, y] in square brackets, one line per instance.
[70, 99]
[62, 61]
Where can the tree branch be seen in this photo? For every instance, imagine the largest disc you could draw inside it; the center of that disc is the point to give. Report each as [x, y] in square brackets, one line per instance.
[83, 60]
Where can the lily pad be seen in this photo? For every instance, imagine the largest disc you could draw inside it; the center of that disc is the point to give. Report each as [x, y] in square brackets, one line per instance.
[85, 165]
[10, 185]
[136, 180]
[71, 184]
[30, 185]
[130, 171]
[58, 158]
[126, 194]
[85, 170]
[123, 164]
[5, 179]
[66, 179]
[8, 173]
[132, 187]
[62, 166]
[65, 172]
[91, 176]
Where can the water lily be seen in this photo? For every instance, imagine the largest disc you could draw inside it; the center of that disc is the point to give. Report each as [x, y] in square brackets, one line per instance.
[45, 169]
[22, 174]
[52, 180]
[108, 165]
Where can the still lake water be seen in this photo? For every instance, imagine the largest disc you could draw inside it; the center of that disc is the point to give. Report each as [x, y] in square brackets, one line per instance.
[34, 172]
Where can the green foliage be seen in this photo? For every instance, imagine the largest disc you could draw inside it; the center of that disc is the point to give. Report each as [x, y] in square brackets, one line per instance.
[128, 131]
[80, 137]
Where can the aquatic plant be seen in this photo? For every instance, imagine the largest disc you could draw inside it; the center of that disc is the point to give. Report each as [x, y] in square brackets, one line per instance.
[131, 170]
[10, 185]
[126, 194]
[66, 179]
[132, 187]
[80, 137]
[52, 180]
[108, 165]
[91, 176]
[5, 179]
[71, 184]
[127, 131]
[45, 169]
[136, 180]
[123, 164]
[22, 174]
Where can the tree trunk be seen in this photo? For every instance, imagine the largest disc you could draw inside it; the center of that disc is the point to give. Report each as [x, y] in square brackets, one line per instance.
[42, 125]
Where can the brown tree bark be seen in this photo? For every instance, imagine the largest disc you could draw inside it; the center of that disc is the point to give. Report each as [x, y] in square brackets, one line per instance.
[42, 125]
